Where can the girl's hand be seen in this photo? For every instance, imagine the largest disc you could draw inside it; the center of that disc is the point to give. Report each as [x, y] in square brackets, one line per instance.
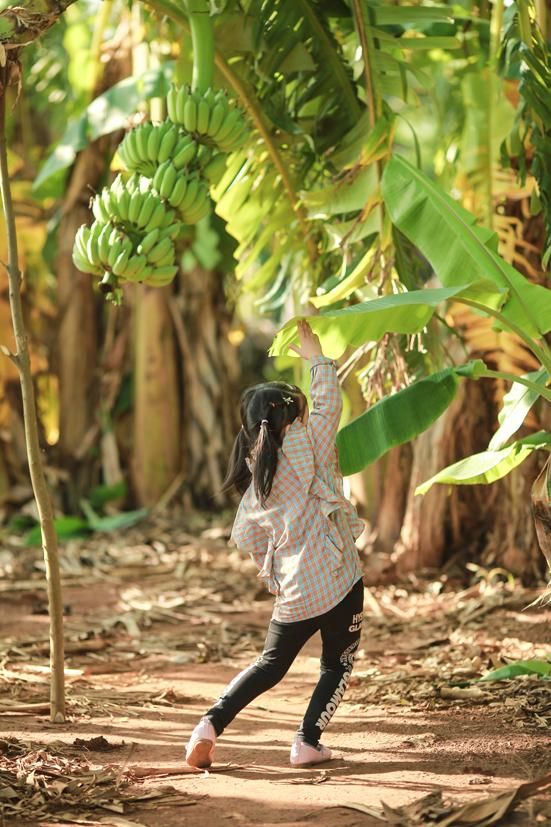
[309, 342]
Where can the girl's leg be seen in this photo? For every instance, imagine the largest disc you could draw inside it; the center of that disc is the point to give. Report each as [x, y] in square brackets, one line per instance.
[283, 643]
[340, 633]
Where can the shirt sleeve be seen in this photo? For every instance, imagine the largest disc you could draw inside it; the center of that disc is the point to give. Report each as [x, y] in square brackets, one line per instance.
[323, 421]
[249, 536]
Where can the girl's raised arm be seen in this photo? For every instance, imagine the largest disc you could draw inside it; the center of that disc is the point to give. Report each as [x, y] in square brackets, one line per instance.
[323, 421]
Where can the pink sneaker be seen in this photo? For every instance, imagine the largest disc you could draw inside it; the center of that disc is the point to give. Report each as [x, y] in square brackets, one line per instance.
[200, 747]
[303, 755]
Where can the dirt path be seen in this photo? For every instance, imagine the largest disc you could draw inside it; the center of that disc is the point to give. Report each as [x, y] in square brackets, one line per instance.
[395, 740]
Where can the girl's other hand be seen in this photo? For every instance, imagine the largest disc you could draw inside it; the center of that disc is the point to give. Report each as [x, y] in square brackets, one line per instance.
[309, 342]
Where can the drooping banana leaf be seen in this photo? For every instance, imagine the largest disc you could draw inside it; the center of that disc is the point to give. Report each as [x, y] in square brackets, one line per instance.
[458, 250]
[396, 419]
[516, 404]
[368, 321]
[488, 466]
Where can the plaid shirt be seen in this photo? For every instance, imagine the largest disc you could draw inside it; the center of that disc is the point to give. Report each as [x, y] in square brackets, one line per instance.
[302, 541]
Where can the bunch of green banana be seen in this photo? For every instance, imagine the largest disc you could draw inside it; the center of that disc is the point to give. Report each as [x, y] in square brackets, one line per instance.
[208, 115]
[188, 193]
[149, 145]
[133, 206]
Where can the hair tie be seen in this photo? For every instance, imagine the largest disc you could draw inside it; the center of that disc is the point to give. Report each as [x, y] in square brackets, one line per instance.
[264, 421]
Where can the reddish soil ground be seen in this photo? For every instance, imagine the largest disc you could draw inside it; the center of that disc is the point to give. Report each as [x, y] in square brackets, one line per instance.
[395, 737]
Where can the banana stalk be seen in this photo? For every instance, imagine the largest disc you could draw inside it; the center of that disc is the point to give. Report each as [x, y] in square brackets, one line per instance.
[202, 38]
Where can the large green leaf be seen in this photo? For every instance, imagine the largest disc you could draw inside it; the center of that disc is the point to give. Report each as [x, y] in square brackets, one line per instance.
[395, 419]
[368, 321]
[66, 527]
[519, 667]
[113, 522]
[106, 113]
[516, 404]
[458, 250]
[488, 466]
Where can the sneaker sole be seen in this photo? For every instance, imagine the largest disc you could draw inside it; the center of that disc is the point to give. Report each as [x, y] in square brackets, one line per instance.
[310, 763]
[199, 756]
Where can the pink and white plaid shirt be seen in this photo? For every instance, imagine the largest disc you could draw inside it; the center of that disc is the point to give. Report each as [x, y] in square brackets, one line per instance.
[302, 541]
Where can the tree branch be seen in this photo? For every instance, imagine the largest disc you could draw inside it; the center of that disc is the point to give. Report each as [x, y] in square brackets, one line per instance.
[38, 480]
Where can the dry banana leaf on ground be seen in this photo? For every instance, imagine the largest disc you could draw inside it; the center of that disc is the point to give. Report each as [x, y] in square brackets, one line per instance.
[433, 811]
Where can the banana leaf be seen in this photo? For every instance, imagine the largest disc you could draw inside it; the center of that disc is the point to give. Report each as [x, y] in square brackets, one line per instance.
[488, 466]
[368, 321]
[458, 250]
[396, 419]
[516, 404]
[519, 667]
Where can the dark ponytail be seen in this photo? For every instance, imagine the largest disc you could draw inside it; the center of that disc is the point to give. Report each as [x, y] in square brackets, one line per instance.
[266, 409]
[264, 458]
[238, 473]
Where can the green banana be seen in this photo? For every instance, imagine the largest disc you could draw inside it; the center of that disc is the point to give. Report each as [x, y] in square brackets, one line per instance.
[181, 99]
[185, 152]
[158, 177]
[199, 210]
[153, 142]
[215, 169]
[166, 260]
[168, 142]
[171, 103]
[217, 116]
[161, 276]
[203, 114]
[190, 115]
[124, 205]
[168, 181]
[160, 250]
[135, 268]
[148, 242]
[103, 244]
[232, 118]
[178, 191]
[136, 201]
[149, 202]
[157, 218]
[98, 208]
[92, 246]
[81, 239]
[119, 265]
[191, 193]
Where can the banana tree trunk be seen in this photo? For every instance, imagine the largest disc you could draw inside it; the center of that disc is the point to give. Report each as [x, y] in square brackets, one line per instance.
[80, 369]
[210, 379]
[156, 431]
[77, 352]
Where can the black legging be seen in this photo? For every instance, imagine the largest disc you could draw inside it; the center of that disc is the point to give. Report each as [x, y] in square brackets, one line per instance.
[340, 629]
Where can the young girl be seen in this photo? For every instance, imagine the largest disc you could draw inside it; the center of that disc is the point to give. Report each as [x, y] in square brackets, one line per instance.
[299, 529]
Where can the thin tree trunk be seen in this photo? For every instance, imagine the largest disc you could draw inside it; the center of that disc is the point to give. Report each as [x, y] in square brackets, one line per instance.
[38, 481]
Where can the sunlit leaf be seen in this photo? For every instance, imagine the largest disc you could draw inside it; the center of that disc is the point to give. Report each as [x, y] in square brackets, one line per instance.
[458, 249]
[487, 466]
[516, 404]
[394, 420]
[368, 321]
